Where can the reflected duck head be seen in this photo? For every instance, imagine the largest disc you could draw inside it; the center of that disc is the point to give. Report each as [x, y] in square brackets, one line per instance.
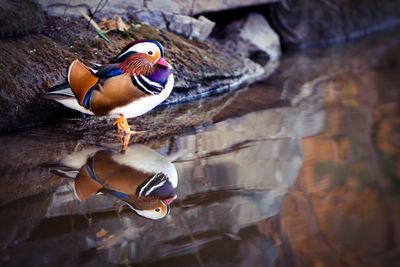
[152, 198]
[140, 177]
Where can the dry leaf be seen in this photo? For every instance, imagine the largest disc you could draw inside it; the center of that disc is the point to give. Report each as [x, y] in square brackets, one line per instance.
[113, 24]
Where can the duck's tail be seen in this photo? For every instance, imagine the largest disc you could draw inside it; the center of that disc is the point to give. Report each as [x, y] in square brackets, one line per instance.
[63, 94]
[76, 91]
[60, 90]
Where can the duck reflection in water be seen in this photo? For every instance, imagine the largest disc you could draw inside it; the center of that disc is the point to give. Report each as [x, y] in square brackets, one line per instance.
[140, 177]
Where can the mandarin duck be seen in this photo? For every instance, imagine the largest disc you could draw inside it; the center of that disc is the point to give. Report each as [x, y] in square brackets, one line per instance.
[133, 83]
[143, 179]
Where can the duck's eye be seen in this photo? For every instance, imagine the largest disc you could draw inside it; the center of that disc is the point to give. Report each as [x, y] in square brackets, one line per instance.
[157, 210]
[150, 52]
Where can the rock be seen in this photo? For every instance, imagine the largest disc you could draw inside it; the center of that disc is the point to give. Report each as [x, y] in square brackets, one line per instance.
[252, 36]
[202, 28]
[180, 24]
[75, 7]
[166, 6]
[193, 7]
[338, 20]
[150, 17]
[201, 68]
[29, 65]
[20, 17]
[190, 27]
[293, 20]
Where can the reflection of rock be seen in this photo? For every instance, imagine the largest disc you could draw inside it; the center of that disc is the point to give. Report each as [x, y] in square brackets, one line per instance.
[253, 37]
[344, 208]
[387, 135]
[22, 173]
[247, 165]
[25, 214]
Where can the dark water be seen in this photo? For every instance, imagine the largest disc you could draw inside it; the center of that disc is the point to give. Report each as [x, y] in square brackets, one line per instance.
[302, 169]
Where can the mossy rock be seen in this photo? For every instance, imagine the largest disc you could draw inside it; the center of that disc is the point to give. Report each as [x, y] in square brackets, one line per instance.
[20, 17]
[32, 64]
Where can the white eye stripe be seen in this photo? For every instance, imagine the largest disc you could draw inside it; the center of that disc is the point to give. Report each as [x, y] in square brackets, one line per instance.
[143, 48]
[150, 214]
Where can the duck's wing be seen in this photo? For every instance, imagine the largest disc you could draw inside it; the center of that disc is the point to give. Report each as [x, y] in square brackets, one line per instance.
[81, 80]
[85, 184]
[114, 92]
[107, 71]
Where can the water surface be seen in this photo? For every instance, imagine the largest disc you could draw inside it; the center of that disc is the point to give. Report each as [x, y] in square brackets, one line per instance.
[301, 169]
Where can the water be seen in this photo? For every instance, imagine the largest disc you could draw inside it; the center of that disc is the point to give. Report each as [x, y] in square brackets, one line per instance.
[299, 170]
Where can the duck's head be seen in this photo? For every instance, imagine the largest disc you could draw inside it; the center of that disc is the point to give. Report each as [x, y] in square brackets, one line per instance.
[150, 207]
[153, 197]
[142, 57]
[140, 177]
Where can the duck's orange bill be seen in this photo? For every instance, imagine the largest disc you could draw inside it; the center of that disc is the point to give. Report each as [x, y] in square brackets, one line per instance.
[163, 62]
[169, 200]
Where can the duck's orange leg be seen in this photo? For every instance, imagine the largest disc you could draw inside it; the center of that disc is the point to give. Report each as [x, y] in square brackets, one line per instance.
[124, 131]
[122, 125]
